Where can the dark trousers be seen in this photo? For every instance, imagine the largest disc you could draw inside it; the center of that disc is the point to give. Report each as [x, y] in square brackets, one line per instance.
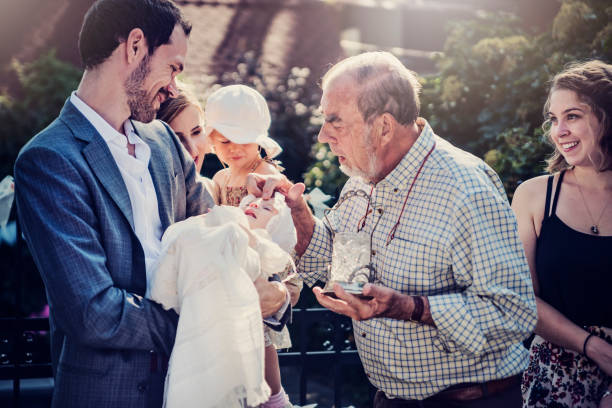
[508, 398]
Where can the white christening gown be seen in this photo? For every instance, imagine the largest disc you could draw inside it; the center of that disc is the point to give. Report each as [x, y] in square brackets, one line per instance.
[205, 273]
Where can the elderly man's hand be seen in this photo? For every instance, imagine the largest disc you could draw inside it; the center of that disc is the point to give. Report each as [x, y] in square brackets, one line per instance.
[385, 302]
[272, 296]
[383, 299]
[264, 185]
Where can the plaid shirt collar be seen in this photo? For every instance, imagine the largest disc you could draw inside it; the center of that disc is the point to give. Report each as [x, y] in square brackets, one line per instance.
[401, 176]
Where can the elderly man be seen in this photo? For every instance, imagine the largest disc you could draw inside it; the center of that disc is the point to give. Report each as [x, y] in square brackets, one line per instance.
[96, 190]
[453, 299]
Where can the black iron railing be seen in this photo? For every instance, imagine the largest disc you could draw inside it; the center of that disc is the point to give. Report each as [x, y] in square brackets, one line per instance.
[338, 356]
[24, 351]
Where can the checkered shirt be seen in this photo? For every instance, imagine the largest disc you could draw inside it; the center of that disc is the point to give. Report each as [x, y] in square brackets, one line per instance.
[457, 243]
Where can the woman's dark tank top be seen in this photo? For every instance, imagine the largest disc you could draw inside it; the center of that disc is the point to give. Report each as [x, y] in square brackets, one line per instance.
[574, 269]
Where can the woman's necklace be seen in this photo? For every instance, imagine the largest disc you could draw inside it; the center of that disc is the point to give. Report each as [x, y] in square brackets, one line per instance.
[595, 226]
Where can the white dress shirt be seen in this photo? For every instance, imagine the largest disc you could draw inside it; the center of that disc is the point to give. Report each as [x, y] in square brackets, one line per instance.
[137, 179]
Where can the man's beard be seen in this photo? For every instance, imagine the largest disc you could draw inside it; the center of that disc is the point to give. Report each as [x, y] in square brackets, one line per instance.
[141, 108]
[370, 173]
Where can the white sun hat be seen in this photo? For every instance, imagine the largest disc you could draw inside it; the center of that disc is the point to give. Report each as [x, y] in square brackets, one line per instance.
[240, 114]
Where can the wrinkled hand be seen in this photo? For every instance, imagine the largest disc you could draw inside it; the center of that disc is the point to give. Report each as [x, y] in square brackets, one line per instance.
[264, 185]
[272, 296]
[385, 302]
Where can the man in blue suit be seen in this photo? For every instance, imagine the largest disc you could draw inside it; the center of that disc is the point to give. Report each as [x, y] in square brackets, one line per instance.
[95, 191]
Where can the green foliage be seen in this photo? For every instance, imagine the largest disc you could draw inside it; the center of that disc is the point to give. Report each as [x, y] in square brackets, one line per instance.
[518, 156]
[45, 84]
[492, 85]
[325, 172]
[489, 82]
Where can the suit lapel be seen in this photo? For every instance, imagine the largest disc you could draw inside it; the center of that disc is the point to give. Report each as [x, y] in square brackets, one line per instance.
[160, 173]
[100, 159]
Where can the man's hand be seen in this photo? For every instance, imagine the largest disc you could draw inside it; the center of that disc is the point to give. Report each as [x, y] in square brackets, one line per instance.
[385, 302]
[264, 185]
[272, 296]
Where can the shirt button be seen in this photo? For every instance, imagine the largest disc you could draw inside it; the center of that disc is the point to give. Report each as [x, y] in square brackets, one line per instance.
[363, 334]
[380, 210]
[142, 387]
[395, 190]
[373, 252]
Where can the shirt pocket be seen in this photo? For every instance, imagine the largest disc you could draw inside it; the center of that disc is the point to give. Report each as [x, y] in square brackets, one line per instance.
[415, 263]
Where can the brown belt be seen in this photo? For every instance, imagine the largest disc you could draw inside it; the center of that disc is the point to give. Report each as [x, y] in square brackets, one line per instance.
[459, 392]
[467, 392]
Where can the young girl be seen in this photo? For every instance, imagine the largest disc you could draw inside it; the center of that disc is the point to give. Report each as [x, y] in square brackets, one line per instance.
[237, 122]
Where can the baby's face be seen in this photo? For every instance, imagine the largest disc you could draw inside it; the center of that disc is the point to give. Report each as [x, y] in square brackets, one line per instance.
[259, 212]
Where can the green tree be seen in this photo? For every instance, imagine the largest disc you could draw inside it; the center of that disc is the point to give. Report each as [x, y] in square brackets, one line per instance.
[492, 83]
[44, 86]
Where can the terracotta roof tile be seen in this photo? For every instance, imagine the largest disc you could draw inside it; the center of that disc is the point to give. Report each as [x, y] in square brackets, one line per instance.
[306, 35]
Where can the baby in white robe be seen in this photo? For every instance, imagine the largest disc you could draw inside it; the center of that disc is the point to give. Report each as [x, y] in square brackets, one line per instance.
[206, 273]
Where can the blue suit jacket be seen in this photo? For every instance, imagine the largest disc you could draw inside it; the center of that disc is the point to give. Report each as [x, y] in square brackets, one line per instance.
[77, 218]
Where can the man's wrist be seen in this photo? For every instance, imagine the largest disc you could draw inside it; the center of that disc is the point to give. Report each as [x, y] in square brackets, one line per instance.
[417, 310]
[400, 307]
[304, 224]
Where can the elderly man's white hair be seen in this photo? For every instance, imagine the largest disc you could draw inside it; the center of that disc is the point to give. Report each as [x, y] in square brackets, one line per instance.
[384, 85]
[280, 227]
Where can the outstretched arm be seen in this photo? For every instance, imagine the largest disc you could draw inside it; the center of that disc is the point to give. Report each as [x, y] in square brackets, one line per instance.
[265, 186]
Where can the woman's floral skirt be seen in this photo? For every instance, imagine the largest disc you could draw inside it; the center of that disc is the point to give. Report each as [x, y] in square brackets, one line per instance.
[560, 378]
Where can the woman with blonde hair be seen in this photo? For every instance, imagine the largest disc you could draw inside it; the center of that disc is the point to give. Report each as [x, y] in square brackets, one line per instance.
[185, 116]
[565, 223]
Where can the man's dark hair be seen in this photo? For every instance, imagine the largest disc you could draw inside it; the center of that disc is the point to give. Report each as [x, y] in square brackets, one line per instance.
[109, 22]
